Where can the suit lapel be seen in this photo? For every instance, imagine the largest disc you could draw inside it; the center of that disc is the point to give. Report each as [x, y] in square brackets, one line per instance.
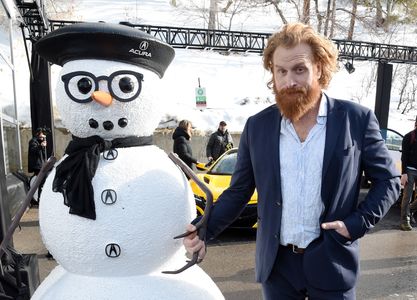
[275, 154]
[334, 124]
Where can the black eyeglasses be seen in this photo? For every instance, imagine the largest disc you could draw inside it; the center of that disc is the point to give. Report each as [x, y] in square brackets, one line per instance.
[123, 86]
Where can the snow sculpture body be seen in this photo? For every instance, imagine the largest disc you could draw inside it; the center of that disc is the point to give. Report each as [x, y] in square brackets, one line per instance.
[141, 200]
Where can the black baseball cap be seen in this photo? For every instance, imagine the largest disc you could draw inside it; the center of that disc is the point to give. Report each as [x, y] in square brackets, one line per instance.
[106, 41]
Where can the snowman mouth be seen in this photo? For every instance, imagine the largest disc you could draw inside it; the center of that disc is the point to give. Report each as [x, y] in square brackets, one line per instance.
[108, 125]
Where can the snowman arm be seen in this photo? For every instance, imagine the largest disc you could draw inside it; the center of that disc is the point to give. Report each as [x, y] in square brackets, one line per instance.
[46, 167]
[201, 225]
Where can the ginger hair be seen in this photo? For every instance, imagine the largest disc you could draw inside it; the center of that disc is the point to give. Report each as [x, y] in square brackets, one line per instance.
[324, 50]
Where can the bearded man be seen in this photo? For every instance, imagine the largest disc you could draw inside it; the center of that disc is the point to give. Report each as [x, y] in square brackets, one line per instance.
[305, 156]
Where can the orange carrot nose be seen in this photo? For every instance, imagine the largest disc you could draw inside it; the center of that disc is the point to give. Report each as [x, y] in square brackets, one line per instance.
[102, 98]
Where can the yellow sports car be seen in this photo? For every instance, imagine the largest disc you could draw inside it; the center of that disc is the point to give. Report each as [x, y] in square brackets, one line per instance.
[393, 140]
[217, 177]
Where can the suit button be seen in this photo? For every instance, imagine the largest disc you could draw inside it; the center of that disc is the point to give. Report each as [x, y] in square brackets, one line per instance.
[278, 203]
[276, 236]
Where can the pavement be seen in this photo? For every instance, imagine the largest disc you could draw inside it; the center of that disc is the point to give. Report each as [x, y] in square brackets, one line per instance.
[388, 259]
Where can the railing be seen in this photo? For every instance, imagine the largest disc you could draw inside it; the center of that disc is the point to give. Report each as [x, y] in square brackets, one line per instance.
[34, 19]
[255, 42]
[221, 40]
[376, 52]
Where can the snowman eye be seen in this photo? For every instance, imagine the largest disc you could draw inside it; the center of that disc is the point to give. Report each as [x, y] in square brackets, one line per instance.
[79, 86]
[85, 85]
[125, 85]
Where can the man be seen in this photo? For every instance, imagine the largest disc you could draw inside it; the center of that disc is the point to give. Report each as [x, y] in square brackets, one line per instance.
[37, 156]
[37, 151]
[408, 177]
[219, 142]
[305, 156]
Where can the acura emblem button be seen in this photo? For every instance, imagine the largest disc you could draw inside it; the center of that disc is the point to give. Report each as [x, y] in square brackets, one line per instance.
[113, 250]
[111, 154]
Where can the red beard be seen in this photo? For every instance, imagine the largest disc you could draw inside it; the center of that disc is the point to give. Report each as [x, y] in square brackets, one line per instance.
[295, 102]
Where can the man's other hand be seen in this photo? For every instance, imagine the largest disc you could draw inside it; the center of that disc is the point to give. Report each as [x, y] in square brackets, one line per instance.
[339, 226]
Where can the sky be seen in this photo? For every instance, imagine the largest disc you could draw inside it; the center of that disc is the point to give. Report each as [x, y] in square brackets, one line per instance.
[235, 84]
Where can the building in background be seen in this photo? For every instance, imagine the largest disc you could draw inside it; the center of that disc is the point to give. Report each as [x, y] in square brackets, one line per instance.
[12, 189]
[10, 138]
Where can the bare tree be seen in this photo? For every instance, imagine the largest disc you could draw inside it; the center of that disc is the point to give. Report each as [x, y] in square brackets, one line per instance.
[228, 4]
[379, 20]
[352, 19]
[212, 14]
[328, 14]
[275, 4]
[367, 85]
[235, 7]
[319, 16]
[220, 14]
[295, 3]
[306, 12]
[60, 9]
[332, 18]
[406, 86]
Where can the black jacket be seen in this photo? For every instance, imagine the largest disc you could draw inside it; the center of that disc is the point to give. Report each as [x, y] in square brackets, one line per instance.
[218, 143]
[36, 156]
[182, 146]
[409, 151]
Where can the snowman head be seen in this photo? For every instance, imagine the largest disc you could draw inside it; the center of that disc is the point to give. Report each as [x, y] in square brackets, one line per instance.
[109, 80]
[107, 98]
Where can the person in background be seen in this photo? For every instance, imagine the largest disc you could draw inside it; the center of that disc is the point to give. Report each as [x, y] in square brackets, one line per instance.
[408, 178]
[305, 157]
[219, 142]
[37, 151]
[182, 146]
[37, 156]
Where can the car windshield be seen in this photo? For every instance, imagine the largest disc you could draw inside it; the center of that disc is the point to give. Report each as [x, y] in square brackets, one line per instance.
[393, 139]
[226, 165]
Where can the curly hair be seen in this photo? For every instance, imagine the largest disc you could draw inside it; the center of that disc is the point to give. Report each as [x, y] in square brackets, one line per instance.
[324, 50]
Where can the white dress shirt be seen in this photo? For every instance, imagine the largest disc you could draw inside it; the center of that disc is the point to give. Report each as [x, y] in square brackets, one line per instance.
[301, 173]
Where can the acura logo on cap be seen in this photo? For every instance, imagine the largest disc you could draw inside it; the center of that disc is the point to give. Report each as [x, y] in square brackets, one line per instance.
[142, 51]
[143, 45]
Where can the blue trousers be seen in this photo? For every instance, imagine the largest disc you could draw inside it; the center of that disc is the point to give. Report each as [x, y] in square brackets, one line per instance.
[287, 281]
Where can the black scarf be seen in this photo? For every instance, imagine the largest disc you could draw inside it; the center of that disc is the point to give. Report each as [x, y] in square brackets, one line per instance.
[73, 176]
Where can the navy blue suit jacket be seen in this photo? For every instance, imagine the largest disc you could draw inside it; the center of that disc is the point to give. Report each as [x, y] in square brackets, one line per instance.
[353, 144]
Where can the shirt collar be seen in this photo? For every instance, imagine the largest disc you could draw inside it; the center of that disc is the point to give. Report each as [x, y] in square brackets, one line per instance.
[322, 114]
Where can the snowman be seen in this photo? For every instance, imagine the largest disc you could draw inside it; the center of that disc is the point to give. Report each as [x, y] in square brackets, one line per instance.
[114, 202]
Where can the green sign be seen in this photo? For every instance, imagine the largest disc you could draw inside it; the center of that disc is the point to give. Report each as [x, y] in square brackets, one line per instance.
[200, 97]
